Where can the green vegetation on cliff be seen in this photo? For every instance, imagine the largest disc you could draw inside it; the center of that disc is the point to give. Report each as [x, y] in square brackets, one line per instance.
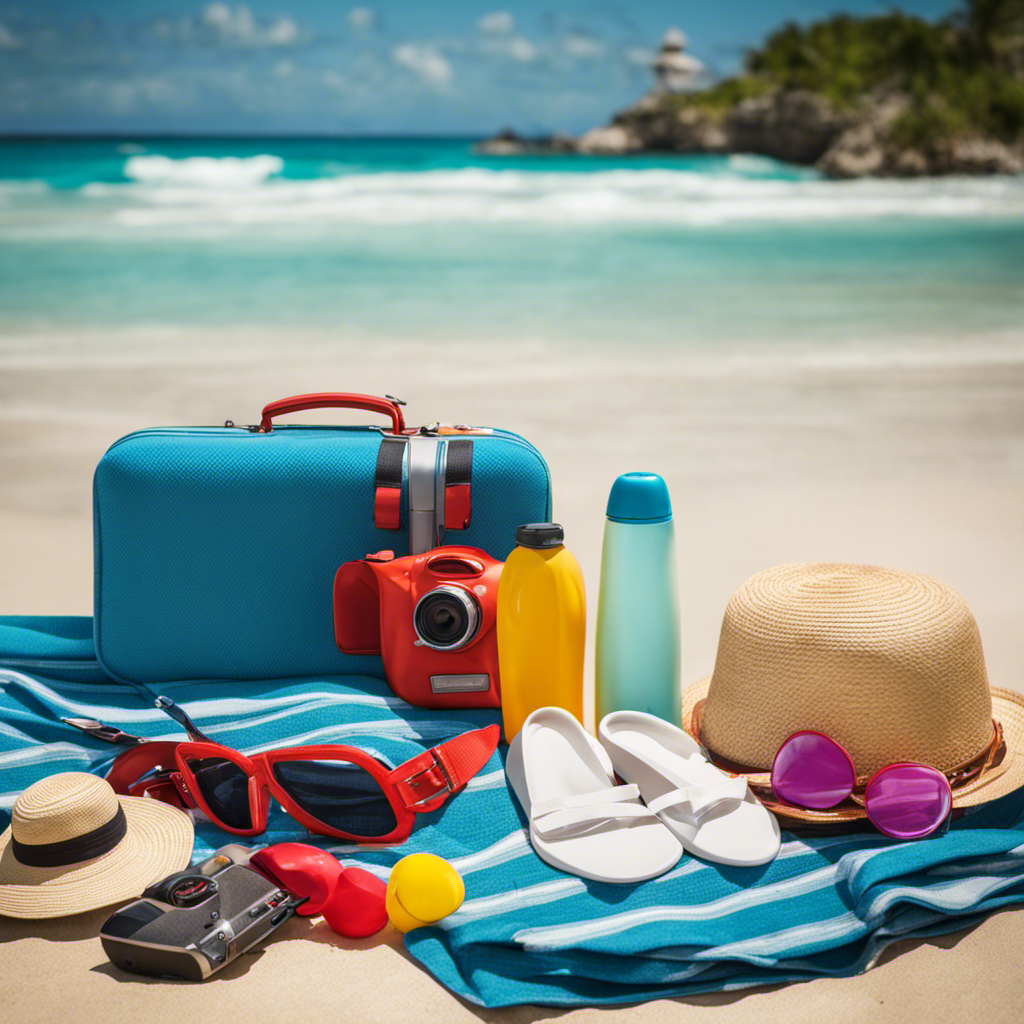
[962, 74]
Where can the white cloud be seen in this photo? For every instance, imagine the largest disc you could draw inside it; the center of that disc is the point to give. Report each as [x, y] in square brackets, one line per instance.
[582, 47]
[237, 26]
[8, 40]
[284, 68]
[234, 23]
[282, 32]
[424, 60]
[521, 49]
[362, 17]
[497, 23]
[510, 47]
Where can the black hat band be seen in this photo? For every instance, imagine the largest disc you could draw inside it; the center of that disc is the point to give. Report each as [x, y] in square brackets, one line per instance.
[70, 851]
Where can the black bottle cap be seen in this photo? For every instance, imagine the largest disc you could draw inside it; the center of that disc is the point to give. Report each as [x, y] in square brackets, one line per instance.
[540, 535]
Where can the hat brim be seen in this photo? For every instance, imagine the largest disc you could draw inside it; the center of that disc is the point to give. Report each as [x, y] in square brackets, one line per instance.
[1001, 779]
[158, 842]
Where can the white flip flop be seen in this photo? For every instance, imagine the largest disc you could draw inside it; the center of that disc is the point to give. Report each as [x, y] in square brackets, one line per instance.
[713, 814]
[581, 820]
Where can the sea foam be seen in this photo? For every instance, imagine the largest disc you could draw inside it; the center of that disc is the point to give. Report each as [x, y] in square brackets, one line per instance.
[219, 172]
[738, 193]
[197, 195]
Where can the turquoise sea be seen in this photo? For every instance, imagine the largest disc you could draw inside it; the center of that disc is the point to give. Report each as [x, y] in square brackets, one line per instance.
[420, 238]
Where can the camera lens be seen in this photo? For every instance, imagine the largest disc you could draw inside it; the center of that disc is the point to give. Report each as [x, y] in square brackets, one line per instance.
[446, 618]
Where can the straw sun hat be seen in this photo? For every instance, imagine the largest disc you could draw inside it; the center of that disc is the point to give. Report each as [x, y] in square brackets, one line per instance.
[887, 663]
[73, 845]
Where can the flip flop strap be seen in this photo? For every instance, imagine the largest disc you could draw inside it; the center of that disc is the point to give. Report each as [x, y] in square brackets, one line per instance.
[693, 801]
[561, 813]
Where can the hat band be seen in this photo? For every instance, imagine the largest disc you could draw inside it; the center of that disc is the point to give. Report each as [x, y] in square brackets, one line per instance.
[988, 758]
[70, 851]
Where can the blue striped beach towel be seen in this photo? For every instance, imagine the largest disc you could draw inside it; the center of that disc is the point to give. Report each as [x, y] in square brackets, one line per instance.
[527, 933]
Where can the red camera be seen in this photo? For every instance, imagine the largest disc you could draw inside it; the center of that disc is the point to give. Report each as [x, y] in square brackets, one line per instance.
[431, 617]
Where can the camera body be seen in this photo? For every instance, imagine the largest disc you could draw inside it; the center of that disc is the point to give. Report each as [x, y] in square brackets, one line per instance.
[196, 921]
[432, 618]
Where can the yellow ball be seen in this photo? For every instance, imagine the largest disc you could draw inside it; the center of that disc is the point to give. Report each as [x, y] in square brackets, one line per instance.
[422, 889]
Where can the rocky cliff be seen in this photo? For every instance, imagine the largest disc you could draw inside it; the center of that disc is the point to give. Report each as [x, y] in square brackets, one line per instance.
[795, 126]
[802, 127]
[889, 95]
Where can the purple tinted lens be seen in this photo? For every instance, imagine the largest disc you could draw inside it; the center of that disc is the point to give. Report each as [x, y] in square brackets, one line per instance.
[908, 801]
[811, 770]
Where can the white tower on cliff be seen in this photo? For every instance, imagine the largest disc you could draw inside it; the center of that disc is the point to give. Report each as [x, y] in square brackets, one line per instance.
[674, 69]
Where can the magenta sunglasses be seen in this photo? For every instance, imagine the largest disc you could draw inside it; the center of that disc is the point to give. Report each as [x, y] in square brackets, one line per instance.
[905, 800]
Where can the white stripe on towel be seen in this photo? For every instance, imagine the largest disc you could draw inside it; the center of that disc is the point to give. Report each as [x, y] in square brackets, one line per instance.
[555, 936]
[41, 752]
[766, 949]
[504, 902]
[948, 897]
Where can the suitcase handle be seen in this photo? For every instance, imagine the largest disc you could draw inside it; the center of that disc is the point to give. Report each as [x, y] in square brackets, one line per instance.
[333, 400]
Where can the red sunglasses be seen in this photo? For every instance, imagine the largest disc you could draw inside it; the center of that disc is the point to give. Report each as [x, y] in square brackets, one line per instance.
[332, 789]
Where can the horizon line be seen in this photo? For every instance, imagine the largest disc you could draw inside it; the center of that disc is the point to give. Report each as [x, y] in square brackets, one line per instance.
[14, 136]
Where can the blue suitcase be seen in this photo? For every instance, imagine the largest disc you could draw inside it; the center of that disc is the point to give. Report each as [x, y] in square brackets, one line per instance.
[216, 547]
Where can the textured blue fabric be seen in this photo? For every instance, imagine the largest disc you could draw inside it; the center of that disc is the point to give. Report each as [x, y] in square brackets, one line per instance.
[216, 548]
[527, 933]
[60, 645]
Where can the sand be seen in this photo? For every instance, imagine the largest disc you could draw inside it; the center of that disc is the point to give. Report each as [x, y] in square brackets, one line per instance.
[912, 460]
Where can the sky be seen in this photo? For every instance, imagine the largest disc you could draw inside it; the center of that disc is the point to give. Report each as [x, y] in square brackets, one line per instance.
[385, 67]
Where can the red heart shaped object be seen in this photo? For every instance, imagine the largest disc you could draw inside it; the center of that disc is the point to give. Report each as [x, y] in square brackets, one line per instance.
[356, 907]
[301, 869]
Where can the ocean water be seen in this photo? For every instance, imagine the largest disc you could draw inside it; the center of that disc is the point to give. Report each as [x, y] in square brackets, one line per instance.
[421, 238]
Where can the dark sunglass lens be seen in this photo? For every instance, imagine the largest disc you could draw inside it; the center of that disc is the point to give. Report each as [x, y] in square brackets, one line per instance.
[225, 788]
[908, 801]
[342, 795]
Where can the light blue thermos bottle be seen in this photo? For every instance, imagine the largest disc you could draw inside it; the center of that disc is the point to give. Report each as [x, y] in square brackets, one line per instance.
[638, 606]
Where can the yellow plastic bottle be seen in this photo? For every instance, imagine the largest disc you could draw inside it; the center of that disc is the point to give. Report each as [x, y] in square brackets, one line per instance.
[542, 624]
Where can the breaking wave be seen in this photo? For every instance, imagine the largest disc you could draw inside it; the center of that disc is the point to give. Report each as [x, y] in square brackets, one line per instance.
[624, 196]
[201, 194]
[215, 172]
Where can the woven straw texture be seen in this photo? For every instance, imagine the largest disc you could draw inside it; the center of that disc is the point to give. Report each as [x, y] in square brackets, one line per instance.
[888, 663]
[69, 804]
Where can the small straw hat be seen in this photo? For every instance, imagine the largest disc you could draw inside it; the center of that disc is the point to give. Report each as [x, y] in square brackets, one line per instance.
[73, 845]
[887, 663]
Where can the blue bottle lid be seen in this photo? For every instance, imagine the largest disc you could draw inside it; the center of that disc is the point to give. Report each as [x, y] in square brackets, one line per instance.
[639, 498]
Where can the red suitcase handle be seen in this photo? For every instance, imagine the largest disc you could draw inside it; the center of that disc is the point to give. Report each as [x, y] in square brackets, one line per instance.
[333, 400]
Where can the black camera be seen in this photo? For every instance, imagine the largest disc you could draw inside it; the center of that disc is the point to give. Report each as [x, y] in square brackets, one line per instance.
[196, 921]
